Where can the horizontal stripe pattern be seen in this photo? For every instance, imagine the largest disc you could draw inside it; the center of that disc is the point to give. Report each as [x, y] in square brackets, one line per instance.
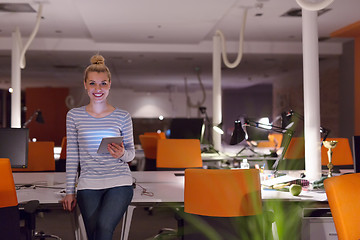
[84, 133]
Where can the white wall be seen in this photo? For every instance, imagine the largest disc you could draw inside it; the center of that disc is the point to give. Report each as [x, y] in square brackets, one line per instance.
[150, 105]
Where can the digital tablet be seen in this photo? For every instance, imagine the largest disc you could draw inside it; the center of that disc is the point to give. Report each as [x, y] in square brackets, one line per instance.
[107, 140]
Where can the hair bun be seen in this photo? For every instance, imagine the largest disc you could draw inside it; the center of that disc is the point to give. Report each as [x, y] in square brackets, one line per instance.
[97, 59]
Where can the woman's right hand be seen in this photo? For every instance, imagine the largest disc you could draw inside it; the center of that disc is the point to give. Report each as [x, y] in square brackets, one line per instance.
[69, 202]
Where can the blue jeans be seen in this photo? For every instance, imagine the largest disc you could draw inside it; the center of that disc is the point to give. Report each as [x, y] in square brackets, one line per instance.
[103, 209]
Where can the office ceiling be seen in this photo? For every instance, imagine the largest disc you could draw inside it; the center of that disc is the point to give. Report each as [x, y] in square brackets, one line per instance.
[153, 45]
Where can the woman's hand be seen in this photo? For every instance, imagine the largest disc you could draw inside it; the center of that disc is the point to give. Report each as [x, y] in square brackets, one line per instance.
[116, 150]
[69, 202]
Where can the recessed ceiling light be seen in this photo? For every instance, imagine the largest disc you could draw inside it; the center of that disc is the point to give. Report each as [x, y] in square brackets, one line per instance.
[258, 14]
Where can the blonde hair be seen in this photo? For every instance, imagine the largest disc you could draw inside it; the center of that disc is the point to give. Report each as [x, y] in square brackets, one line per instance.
[97, 65]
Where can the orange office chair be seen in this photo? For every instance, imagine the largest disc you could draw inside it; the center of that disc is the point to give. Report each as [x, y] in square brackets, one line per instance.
[224, 203]
[343, 193]
[63, 148]
[10, 227]
[40, 157]
[274, 141]
[160, 134]
[178, 154]
[294, 158]
[341, 154]
[9, 211]
[60, 164]
[149, 145]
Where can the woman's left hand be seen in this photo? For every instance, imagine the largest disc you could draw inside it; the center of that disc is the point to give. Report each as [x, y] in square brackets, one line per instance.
[116, 150]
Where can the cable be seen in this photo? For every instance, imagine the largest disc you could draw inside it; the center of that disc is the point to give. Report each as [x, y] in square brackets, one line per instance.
[188, 99]
[31, 38]
[144, 190]
[241, 43]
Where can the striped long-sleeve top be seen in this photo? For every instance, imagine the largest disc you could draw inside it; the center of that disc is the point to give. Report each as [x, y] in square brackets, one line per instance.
[84, 133]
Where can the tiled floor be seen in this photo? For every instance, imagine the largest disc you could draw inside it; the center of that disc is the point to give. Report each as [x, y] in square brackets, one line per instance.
[143, 226]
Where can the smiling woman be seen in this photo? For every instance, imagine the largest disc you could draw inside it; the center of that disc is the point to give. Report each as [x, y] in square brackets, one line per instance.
[105, 178]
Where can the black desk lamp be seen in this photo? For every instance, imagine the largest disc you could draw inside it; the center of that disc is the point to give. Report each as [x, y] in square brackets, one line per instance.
[239, 135]
[39, 118]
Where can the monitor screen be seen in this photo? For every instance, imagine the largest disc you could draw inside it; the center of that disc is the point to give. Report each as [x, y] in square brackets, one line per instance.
[14, 145]
[186, 128]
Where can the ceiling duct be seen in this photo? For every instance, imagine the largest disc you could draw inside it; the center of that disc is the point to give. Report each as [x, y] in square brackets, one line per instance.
[16, 7]
[297, 12]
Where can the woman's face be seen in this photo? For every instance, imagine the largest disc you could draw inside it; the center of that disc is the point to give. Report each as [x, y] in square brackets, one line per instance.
[98, 86]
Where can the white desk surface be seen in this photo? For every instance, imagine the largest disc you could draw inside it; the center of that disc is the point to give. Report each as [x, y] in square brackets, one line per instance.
[165, 186]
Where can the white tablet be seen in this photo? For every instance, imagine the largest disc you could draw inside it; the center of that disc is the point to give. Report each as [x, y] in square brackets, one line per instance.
[107, 140]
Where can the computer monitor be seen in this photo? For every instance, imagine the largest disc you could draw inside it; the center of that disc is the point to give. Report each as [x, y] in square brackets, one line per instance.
[356, 153]
[186, 128]
[14, 144]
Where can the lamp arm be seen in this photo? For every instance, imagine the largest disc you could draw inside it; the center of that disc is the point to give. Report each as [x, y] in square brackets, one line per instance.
[30, 119]
[290, 133]
[264, 126]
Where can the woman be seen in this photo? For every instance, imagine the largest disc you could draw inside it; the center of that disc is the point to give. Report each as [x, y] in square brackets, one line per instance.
[104, 187]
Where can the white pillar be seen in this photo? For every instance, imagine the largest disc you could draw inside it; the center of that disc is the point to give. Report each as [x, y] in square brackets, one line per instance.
[217, 110]
[15, 81]
[311, 95]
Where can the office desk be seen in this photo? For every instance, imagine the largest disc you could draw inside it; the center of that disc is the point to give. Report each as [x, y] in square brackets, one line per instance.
[165, 186]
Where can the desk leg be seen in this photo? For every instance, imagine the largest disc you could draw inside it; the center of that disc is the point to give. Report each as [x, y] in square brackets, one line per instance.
[126, 223]
[80, 232]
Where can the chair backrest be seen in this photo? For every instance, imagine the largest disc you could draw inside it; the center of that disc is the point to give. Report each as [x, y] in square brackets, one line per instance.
[149, 145]
[341, 154]
[178, 153]
[275, 140]
[63, 148]
[296, 148]
[40, 157]
[160, 134]
[343, 193]
[9, 211]
[7, 186]
[222, 192]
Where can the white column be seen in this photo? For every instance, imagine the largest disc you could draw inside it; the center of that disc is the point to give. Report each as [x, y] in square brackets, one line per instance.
[217, 110]
[15, 82]
[311, 95]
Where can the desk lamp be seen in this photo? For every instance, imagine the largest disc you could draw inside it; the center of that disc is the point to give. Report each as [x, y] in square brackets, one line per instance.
[207, 127]
[39, 118]
[239, 135]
